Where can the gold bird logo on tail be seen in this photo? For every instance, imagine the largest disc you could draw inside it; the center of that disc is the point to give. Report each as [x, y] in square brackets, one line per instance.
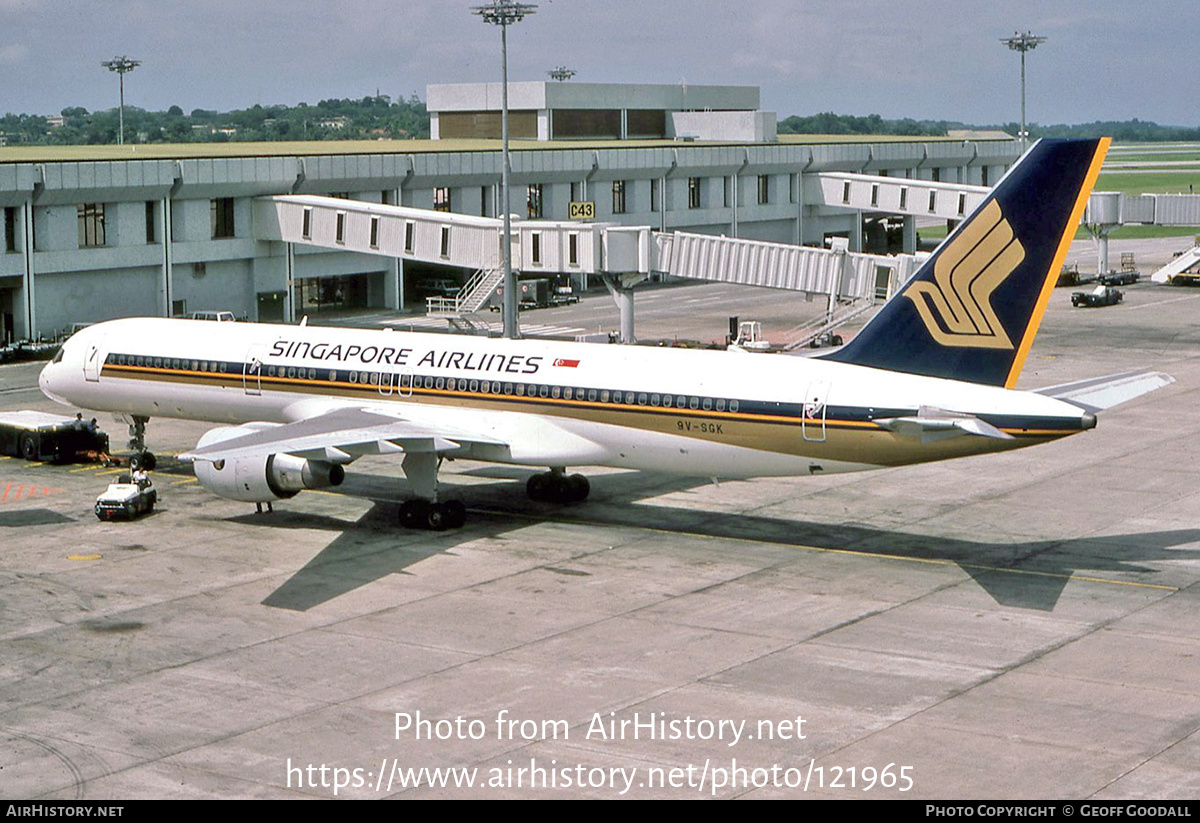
[956, 306]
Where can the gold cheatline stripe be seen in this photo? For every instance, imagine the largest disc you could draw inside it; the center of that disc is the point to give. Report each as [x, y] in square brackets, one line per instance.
[1035, 320]
[296, 383]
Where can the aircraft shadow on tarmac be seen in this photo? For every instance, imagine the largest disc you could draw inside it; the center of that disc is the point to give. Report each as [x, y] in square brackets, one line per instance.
[1030, 575]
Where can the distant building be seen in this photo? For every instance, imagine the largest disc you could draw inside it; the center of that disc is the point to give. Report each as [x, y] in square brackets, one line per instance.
[598, 111]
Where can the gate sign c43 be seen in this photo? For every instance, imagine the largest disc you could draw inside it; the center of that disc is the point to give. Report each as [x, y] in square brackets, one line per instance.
[582, 210]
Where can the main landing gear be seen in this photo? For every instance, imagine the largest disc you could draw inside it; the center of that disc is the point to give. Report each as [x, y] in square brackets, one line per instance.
[556, 487]
[425, 512]
[141, 458]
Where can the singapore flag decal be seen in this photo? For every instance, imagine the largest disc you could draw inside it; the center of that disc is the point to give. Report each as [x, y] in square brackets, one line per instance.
[567, 364]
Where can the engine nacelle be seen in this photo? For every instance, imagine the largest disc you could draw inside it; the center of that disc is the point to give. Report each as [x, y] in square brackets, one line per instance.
[262, 479]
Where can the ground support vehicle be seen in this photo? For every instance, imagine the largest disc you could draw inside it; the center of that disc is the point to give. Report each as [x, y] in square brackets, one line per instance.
[1099, 296]
[129, 498]
[1120, 278]
[50, 438]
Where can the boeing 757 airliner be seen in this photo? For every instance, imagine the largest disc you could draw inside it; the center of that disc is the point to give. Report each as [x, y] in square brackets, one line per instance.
[929, 378]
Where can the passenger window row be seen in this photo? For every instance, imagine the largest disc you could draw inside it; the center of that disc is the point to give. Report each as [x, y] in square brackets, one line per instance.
[404, 382]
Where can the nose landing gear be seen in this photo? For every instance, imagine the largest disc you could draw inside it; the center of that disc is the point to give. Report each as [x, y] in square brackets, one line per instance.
[141, 458]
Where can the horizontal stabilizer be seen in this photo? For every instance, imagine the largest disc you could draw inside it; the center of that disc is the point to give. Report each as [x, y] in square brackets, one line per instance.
[932, 424]
[1100, 393]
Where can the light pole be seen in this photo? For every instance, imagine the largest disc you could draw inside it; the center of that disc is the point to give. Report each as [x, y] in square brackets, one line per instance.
[1023, 43]
[503, 13]
[121, 65]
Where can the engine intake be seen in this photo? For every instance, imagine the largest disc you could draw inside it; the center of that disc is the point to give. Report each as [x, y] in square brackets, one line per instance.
[262, 479]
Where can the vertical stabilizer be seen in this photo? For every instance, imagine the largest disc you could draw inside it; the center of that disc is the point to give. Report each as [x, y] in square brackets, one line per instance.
[972, 310]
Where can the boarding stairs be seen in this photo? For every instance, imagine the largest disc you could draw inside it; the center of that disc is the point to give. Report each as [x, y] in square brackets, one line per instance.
[806, 333]
[469, 324]
[1177, 266]
[470, 299]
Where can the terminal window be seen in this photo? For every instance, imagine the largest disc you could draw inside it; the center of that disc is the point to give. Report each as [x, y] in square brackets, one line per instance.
[221, 217]
[441, 199]
[693, 192]
[10, 228]
[764, 189]
[533, 201]
[618, 191]
[91, 224]
[151, 221]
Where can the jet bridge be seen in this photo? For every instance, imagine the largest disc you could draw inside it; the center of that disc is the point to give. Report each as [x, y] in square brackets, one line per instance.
[622, 255]
[894, 195]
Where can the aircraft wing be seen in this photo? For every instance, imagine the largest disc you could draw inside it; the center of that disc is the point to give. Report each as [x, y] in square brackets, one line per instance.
[340, 436]
[1101, 393]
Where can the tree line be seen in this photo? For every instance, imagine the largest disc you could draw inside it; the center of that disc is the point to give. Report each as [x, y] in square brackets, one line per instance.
[378, 117]
[1127, 131]
[369, 118]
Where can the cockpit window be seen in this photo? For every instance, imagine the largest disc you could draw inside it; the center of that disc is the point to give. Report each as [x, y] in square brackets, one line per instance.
[58, 355]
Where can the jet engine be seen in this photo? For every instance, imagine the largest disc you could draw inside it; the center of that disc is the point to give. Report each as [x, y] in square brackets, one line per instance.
[262, 478]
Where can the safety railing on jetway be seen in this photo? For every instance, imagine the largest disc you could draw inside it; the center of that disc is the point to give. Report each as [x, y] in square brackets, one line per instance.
[828, 272]
[1111, 208]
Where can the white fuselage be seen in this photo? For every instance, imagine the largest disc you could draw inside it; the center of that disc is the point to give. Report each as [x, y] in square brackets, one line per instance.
[699, 413]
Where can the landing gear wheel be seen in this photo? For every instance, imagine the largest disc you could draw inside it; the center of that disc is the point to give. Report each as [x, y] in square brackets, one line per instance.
[422, 514]
[538, 487]
[578, 488]
[556, 487]
[435, 518]
[412, 513]
[456, 514]
[29, 449]
[143, 460]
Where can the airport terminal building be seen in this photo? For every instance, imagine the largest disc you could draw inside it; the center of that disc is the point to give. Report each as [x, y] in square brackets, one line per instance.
[92, 233]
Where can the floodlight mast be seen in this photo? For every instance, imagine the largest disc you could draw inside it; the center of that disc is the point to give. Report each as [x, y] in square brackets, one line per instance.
[122, 65]
[504, 13]
[1023, 43]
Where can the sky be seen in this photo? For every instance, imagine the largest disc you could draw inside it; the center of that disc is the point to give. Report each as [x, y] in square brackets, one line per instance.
[1103, 59]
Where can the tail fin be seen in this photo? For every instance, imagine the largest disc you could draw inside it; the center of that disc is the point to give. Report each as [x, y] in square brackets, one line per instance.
[972, 310]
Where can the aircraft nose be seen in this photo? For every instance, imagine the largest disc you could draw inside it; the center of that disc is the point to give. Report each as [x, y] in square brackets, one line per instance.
[46, 382]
